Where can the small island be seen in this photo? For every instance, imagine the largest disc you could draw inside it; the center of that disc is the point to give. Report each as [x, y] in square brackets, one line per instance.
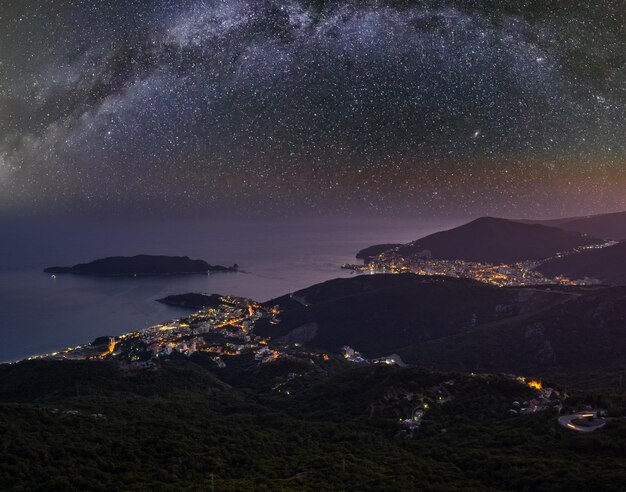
[142, 265]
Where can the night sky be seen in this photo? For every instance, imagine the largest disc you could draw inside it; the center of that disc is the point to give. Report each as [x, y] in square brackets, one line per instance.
[285, 107]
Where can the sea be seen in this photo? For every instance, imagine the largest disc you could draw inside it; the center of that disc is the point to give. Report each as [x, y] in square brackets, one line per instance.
[40, 314]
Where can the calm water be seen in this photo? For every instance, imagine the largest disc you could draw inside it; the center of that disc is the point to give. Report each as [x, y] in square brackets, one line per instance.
[39, 314]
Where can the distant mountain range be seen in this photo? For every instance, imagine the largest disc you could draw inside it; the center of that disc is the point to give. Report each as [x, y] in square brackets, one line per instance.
[607, 226]
[492, 240]
[140, 265]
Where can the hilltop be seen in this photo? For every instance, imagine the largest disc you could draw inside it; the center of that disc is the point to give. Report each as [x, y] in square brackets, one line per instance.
[494, 240]
[379, 314]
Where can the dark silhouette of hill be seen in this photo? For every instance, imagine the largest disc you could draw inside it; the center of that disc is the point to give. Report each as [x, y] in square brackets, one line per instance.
[568, 340]
[459, 324]
[124, 266]
[382, 314]
[608, 265]
[43, 381]
[607, 226]
[86, 425]
[494, 240]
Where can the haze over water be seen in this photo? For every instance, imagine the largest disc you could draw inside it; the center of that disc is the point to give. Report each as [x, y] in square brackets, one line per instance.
[39, 314]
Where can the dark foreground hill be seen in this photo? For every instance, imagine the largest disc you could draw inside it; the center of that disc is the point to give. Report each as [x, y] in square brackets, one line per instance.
[175, 426]
[235, 412]
[494, 240]
[570, 341]
[460, 324]
[608, 265]
[379, 314]
[125, 266]
[607, 226]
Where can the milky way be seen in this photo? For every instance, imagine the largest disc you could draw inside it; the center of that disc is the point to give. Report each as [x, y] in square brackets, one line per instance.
[285, 107]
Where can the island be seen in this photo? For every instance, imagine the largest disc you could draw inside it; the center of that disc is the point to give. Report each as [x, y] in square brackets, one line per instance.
[141, 265]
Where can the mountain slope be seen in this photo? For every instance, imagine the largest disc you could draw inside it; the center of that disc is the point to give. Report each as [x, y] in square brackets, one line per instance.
[456, 324]
[338, 430]
[379, 314]
[494, 240]
[607, 226]
[569, 339]
[382, 314]
[370, 252]
[608, 265]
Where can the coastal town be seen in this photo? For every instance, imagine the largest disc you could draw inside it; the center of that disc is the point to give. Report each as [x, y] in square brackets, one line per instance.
[222, 331]
[224, 334]
[518, 274]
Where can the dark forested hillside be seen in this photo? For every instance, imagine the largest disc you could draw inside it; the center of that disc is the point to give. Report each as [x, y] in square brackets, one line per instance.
[460, 324]
[608, 265]
[106, 426]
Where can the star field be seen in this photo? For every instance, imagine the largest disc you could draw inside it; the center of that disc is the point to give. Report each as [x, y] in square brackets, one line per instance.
[276, 107]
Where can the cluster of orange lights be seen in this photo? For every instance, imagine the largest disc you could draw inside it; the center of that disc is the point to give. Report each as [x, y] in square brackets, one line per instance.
[110, 348]
[535, 384]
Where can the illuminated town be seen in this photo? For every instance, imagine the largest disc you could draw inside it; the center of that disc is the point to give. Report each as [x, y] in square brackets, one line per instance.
[515, 274]
[225, 333]
[221, 331]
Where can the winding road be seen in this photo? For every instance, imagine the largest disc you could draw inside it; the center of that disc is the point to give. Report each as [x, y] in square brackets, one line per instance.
[595, 423]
